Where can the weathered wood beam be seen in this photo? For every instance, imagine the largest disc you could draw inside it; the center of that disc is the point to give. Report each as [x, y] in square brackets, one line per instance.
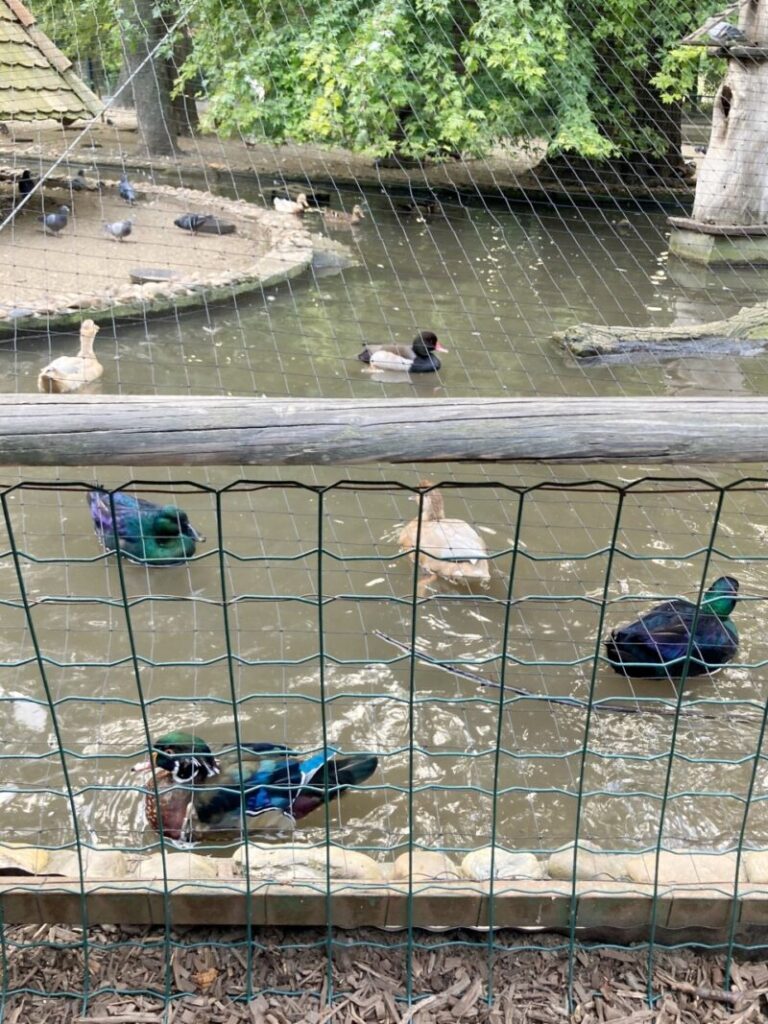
[148, 431]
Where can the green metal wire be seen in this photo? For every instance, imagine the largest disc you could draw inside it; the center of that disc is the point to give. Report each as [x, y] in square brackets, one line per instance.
[576, 722]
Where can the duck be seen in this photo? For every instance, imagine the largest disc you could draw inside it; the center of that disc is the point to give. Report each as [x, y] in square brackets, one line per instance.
[147, 534]
[197, 795]
[341, 220]
[655, 646]
[69, 373]
[295, 206]
[418, 357]
[448, 548]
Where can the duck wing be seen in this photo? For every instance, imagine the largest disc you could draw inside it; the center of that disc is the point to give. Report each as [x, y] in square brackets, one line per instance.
[274, 779]
[452, 540]
[663, 635]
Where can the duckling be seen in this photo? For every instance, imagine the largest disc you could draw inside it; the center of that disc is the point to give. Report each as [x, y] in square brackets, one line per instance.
[418, 357]
[448, 548]
[295, 206]
[68, 373]
[339, 220]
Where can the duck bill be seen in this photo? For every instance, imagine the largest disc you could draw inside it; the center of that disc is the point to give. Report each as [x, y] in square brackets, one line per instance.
[440, 348]
[145, 766]
[195, 535]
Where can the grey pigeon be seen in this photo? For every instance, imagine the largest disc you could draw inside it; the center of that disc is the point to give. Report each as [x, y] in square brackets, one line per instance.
[192, 221]
[725, 34]
[78, 183]
[126, 190]
[119, 229]
[55, 222]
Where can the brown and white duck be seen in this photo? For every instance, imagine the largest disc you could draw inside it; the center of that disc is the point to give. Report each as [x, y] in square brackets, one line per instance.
[448, 548]
[339, 219]
[418, 357]
[69, 373]
[295, 206]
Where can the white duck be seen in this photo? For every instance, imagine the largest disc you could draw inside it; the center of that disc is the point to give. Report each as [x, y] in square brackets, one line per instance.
[296, 206]
[448, 548]
[68, 373]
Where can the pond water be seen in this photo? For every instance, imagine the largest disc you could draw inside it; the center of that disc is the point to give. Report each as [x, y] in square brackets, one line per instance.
[303, 662]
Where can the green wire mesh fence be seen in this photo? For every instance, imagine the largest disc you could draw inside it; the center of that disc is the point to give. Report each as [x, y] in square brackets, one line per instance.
[306, 618]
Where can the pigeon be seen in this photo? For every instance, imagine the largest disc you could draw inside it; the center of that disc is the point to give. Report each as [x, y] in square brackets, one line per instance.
[118, 229]
[192, 221]
[725, 34]
[126, 190]
[78, 183]
[55, 222]
[25, 183]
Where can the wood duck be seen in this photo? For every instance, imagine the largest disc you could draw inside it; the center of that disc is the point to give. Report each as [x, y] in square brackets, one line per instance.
[202, 796]
[147, 533]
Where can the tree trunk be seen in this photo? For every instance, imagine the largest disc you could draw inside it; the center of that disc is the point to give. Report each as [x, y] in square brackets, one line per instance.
[747, 330]
[732, 186]
[151, 90]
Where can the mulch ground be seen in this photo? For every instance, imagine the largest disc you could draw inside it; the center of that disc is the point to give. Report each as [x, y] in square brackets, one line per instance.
[206, 977]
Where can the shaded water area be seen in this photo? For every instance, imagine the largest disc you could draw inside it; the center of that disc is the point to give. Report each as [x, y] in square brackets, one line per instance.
[279, 608]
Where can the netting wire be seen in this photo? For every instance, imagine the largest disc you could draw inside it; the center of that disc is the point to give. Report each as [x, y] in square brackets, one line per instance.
[496, 274]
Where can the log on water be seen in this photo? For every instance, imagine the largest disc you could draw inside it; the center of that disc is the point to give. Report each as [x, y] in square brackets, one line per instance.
[746, 331]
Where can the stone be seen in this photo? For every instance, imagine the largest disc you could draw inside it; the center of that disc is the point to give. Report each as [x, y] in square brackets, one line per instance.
[592, 864]
[686, 868]
[756, 866]
[292, 862]
[177, 865]
[507, 864]
[97, 863]
[18, 859]
[427, 866]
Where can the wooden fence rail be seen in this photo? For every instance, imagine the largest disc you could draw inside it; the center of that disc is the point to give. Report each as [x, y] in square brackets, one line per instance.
[140, 430]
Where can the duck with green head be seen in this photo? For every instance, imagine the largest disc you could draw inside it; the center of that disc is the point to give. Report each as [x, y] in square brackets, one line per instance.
[656, 645]
[146, 533]
[201, 796]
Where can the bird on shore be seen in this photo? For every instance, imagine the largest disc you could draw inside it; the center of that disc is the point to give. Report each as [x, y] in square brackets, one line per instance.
[68, 373]
[79, 183]
[146, 533]
[725, 34]
[448, 548]
[192, 221]
[656, 645]
[205, 796]
[295, 206]
[118, 229]
[25, 183]
[126, 190]
[53, 223]
[339, 219]
[418, 357]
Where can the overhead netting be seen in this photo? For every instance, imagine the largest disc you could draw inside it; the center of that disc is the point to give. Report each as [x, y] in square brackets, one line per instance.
[514, 171]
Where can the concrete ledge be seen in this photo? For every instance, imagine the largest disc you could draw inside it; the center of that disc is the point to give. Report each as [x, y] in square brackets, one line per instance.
[683, 912]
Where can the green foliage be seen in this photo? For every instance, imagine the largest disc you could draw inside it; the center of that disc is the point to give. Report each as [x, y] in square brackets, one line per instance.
[84, 30]
[425, 77]
[437, 76]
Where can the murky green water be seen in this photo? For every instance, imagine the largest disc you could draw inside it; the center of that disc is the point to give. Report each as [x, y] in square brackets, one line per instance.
[494, 285]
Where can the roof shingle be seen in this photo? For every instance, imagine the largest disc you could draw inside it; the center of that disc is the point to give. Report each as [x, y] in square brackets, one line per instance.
[36, 78]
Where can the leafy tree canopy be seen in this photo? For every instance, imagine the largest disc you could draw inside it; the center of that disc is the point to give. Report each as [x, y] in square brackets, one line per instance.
[427, 76]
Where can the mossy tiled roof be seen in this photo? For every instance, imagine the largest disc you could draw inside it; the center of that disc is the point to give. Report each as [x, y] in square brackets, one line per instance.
[36, 79]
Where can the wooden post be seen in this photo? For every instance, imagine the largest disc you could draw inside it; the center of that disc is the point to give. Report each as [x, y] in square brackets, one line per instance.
[163, 431]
